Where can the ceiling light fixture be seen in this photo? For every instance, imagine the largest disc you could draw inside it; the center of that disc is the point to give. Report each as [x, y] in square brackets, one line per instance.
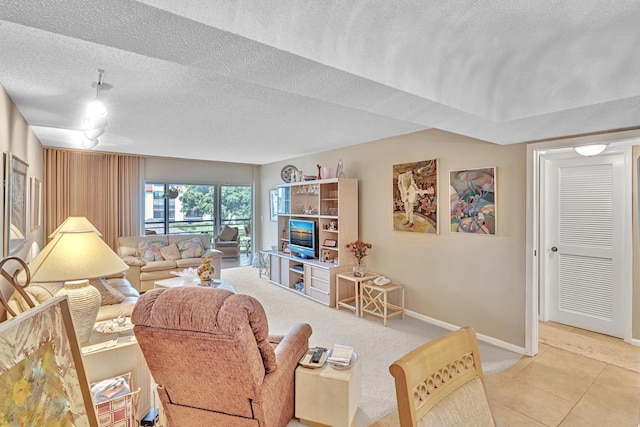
[89, 144]
[590, 150]
[94, 122]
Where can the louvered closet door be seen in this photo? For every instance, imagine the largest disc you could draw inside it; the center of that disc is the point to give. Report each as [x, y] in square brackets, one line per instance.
[585, 240]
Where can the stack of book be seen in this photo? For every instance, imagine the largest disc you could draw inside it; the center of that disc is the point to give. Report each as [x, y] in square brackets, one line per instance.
[341, 355]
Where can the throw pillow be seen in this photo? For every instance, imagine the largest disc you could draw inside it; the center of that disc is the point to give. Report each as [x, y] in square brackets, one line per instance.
[191, 248]
[228, 233]
[131, 260]
[109, 294]
[149, 250]
[171, 252]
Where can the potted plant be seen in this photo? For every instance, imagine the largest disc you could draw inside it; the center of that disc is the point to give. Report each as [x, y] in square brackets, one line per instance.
[359, 250]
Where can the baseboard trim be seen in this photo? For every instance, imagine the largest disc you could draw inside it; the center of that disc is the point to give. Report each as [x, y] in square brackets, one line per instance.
[635, 341]
[484, 338]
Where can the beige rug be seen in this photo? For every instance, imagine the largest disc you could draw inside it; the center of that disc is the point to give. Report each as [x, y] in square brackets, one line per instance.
[377, 346]
[613, 351]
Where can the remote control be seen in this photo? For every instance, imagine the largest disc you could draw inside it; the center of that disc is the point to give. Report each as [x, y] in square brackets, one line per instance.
[317, 355]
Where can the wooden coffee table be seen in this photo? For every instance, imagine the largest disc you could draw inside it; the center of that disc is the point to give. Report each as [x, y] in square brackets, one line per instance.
[176, 282]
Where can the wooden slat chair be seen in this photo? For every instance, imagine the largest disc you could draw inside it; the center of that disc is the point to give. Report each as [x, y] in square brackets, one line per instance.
[441, 384]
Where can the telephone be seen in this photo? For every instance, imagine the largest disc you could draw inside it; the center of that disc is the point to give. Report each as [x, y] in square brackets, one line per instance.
[381, 280]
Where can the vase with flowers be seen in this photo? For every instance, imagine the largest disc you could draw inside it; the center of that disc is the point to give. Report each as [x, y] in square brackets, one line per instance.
[359, 250]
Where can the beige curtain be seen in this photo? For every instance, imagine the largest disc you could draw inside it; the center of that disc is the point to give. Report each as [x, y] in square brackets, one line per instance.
[106, 188]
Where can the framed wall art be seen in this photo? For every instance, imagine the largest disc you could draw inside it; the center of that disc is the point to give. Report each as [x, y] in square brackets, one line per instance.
[415, 197]
[472, 195]
[15, 203]
[42, 378]
[35, 200]
[330, 243]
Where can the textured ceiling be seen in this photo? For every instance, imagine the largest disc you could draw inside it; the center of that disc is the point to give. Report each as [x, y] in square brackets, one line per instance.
[259, 81]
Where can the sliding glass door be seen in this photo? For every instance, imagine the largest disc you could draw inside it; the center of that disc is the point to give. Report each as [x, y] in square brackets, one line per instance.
[179, 209]
[189, 208]
[235, 211]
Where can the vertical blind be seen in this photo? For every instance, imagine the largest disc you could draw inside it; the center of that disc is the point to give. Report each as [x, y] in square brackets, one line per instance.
[103, 187]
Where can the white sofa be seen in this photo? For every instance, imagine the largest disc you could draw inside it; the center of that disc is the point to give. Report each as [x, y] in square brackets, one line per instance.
[144, 271]
[41, 292]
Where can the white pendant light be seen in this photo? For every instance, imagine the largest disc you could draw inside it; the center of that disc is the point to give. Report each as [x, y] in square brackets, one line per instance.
[90, 123]
[590, 150]
[89, 143]
[93, 134]
[96, 109]
[94, 122]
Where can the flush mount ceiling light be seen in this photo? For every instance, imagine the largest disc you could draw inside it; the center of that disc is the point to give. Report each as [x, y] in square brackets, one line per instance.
[590, 150]
[94, 122]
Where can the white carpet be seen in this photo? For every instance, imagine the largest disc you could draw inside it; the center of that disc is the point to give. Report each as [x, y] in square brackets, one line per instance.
[377, 346]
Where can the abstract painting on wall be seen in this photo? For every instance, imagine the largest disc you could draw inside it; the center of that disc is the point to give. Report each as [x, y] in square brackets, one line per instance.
[472, 201]
[415, 197]
[42, 378]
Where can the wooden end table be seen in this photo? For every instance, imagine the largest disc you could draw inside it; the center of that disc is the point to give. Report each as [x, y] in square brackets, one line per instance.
[349, 298]
[327, 397]
[374, 300]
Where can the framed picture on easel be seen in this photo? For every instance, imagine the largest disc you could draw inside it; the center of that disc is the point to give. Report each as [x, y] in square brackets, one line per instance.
[45, 363]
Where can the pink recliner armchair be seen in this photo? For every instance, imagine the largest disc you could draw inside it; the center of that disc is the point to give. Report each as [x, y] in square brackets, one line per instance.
[210, 352]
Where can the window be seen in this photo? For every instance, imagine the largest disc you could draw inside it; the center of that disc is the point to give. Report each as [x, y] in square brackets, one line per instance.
[189, 208]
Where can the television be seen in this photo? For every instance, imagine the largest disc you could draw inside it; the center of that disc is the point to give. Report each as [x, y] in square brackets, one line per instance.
[302, 237]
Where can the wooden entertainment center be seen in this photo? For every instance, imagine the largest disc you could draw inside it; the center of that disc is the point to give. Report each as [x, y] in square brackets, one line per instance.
[332, 204]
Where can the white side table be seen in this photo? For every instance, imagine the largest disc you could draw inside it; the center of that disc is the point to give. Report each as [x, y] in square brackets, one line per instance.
[326, 396]
[117, 360]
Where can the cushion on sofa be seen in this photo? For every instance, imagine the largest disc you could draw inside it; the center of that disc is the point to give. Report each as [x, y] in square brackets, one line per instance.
[170, 252]
[188, 262]
[109, 294]
[158, 265]
[191, 248]
[133, 260]
[126, 251]
[149, 250]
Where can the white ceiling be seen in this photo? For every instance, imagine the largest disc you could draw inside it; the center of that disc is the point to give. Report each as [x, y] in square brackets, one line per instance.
[257, 81]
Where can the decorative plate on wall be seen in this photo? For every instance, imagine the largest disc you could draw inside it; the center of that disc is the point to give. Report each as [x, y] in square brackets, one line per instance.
[287, 173]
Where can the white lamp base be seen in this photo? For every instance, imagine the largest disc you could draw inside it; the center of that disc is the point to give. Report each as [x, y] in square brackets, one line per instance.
[84, 304]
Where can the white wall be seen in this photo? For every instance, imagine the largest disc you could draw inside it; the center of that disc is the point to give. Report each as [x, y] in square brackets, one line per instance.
[16, 137]
[460, 279]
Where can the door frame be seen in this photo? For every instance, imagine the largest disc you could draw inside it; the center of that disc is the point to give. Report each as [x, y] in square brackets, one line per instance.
[620, 142]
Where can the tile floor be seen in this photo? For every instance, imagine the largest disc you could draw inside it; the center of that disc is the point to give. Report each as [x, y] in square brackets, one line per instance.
[564, 389]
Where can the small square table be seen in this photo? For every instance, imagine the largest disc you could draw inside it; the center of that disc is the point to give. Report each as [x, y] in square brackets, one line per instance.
[374, 300]
[326, 396]
[345, 298]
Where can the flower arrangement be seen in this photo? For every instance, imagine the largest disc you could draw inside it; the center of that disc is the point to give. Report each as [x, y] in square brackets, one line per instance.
[359, 249]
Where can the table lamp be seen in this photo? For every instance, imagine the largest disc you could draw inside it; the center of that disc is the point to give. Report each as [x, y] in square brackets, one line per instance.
[73, 257]
[75, 223]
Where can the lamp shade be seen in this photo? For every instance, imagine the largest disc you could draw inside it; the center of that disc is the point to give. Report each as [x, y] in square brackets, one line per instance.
[93, 134]
[75, 255]
[96, 109]
[75, 223]
[90, 123]
[89, 143]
